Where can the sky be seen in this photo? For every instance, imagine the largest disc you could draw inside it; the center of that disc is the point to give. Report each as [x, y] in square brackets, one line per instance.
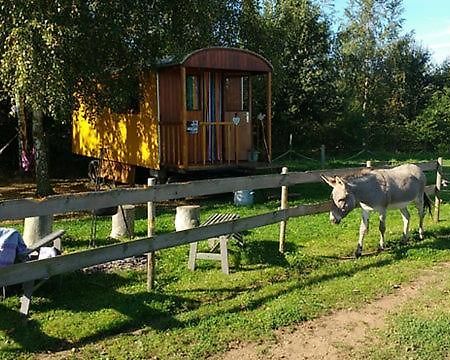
[430, 21]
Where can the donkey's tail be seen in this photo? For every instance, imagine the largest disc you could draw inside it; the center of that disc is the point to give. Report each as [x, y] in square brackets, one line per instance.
[427, 202]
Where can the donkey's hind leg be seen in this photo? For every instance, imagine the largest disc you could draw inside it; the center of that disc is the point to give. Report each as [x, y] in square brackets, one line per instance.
[421, 209]
[382, 228]
[405, 217]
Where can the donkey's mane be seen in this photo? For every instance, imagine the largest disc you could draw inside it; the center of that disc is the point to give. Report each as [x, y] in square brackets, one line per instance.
[359, 174]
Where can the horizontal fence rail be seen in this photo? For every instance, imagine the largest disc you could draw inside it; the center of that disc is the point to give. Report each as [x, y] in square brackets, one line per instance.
[60, 204]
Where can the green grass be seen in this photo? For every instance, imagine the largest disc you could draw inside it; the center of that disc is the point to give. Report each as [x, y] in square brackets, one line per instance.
[196, 314]
[420, 329]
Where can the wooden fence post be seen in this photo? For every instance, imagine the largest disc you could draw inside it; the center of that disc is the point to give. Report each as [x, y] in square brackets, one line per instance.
[284, 205]
[150, 233]
[437, 200]
[322, 155]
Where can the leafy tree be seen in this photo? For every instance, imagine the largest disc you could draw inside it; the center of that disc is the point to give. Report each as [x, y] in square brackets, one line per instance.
[31, 69]
[252, 27]
[432, 126]
[440, 76]
[403, 91]
[55, 49]
[371, 27]
[300, 50]
[190, 25]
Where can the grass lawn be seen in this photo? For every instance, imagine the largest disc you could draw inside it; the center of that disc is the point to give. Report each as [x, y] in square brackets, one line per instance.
[197, 314]
[418, 330]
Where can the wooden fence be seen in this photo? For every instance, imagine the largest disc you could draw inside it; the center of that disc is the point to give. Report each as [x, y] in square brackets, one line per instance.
[60, 204]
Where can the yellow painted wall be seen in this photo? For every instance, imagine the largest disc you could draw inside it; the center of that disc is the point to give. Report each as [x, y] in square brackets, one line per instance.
[127, 138]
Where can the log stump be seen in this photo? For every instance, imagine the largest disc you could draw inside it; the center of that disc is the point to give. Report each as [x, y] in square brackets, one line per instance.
[123, 222]
[187, 217]
[36, 228]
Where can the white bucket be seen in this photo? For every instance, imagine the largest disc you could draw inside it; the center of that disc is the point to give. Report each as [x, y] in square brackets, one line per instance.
[243, 197]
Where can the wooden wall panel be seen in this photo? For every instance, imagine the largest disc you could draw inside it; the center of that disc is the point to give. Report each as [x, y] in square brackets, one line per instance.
[127, 138]
[195, 141]
[244, 137]
[232, 94]
[170, 95]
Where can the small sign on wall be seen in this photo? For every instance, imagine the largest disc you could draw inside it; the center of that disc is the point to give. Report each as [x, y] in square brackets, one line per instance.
[192, 127]
[236, 119]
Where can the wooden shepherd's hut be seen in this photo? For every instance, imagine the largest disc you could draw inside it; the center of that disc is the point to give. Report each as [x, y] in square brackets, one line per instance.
[192, 114]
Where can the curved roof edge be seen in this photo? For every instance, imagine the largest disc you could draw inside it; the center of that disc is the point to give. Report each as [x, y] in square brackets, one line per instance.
[223, 58]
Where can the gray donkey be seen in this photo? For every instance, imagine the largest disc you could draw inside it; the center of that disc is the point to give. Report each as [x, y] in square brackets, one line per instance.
[378, 190]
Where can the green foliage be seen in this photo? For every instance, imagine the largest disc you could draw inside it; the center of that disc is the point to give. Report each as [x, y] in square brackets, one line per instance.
[304, 95]
[191, 25]
[364, 85]
[382, 72]
[405, 91]
[31, 59]
[432, 126]
[53, 51]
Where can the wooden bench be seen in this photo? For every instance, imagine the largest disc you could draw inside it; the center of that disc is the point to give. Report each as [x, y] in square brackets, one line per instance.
[215, 243]
[30, 286]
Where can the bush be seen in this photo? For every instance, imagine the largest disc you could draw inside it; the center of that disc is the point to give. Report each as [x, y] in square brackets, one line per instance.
[432, 126]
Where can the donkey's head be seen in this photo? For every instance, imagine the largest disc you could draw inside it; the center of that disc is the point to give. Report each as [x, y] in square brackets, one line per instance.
[342, 198]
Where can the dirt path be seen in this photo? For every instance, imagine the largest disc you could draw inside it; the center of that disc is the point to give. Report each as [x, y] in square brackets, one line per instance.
[337, 335]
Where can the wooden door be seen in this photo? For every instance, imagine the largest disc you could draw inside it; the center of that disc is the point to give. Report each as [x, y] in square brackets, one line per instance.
[237, 106]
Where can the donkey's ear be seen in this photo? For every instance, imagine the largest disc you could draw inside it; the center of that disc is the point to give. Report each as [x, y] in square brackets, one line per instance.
[329, 180]
[341, 181]
[344, 183]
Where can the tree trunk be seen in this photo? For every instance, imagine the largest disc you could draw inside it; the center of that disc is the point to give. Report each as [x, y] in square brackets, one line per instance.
[43, 186]
[22, 126]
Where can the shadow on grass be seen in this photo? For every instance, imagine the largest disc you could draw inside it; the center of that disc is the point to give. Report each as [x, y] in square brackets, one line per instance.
[438, 240]
[265, 252]
[441, 241]
[27, 333]
[92, 293]
[101, 291]
[443, 232]
[71, 242]
[291, 285]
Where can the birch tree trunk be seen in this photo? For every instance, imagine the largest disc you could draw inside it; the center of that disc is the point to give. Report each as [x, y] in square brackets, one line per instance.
[22, 126]
[43, 186]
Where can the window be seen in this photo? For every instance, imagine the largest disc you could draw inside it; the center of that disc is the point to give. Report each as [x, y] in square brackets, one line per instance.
[192, 92]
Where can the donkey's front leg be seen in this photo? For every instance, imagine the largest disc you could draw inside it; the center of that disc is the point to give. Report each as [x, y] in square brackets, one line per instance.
[363, 228]
[405, 217]
[382, 228]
